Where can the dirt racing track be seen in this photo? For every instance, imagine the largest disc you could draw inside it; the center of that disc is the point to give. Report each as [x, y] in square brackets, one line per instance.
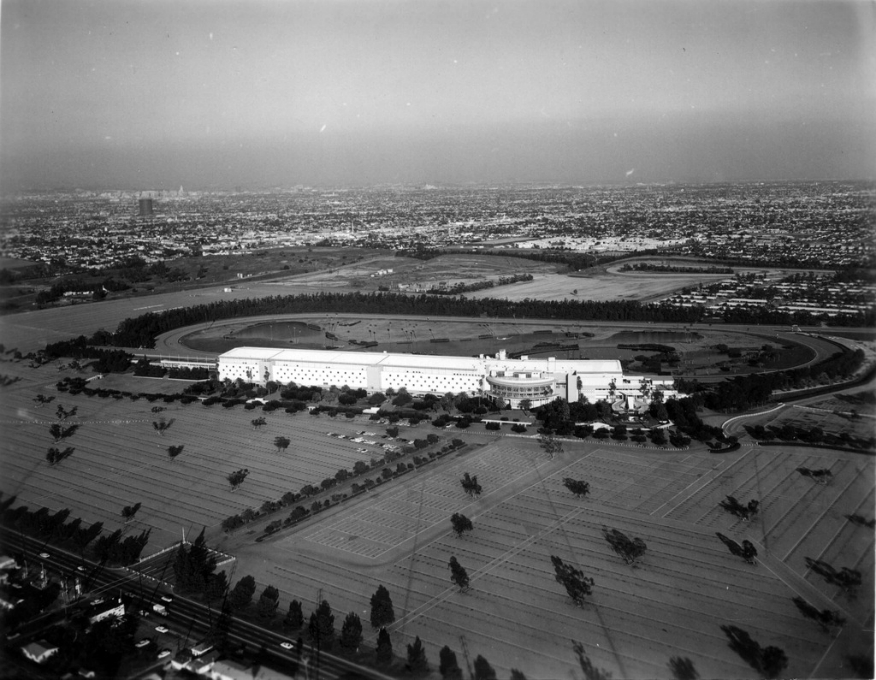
[671, 604]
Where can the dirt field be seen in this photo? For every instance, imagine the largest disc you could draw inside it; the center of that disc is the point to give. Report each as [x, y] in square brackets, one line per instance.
[515, 613]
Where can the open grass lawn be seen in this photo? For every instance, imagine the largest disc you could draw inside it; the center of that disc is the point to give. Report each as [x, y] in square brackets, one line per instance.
[671, 604]
[596, 286]
[414, 274]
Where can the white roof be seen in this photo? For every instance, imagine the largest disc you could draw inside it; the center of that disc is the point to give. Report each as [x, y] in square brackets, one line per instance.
[388, 359]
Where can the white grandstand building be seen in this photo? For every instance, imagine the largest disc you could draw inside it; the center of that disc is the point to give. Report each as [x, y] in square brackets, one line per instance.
[501, 378]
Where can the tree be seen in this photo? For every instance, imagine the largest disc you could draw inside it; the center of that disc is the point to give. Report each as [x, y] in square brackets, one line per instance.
[41, 400]
[517, 675]
[826, 618]
[820, 476]
[845, 578]
[458, 575]
[194, 565]
[550, 445]
[294, 617]
[525, 405]
[770, 661]
[259, 422]
[447, 401]
[351, 632]
[744, 512]
[417, 657]
[461, 524]
[322, 626]
[629, 549]
[470, 485]
[859, 520]
[382, 613]
[60, 433]
[483, 670]
[63, 414]
[129, 511]
[577, 486]
[162, 426]
[174, 451]
[54, 455]
[746, 551]
[241, 595]
[403, 398]
[660, 413]
[217, 584]
[383, 652]
[282, 443]
[448, 665]
[236, 478]
[682, 668]
[590, 671]
[268, 601]
[573, 580]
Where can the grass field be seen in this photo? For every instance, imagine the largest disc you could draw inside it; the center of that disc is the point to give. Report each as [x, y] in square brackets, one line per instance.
[414, 274]
[596, 287]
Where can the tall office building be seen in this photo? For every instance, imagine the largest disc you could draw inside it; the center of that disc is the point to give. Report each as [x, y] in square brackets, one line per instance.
[145, 207]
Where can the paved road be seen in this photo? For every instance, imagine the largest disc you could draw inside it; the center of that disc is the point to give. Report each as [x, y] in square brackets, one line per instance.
[186, 619]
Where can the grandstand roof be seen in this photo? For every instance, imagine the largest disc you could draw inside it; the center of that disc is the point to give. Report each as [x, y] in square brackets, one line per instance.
[387, 359]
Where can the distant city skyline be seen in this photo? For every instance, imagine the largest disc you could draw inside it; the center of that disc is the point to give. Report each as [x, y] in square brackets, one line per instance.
[158, 94]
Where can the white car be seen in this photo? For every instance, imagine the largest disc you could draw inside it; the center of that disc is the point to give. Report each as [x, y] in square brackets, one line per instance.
[80, 568]
[162, 629]
[166, 598]
[287, 645]
[142, 644]
[163, 653]
[44, 555]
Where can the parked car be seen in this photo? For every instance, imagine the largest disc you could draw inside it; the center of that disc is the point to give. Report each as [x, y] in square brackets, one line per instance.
[163, 653]
[161, 629]
[287, 645]
[44, 555]
[142, 644]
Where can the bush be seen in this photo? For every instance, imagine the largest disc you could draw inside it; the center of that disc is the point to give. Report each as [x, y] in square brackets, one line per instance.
[493, 426]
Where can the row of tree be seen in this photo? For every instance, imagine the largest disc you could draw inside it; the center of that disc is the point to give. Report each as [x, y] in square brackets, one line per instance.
[309, 490]
[142, 330]
[58, 529]
[746, 391]
[52, 528]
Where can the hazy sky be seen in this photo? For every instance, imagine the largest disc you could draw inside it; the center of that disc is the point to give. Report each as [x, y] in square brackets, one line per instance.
[157, 94]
